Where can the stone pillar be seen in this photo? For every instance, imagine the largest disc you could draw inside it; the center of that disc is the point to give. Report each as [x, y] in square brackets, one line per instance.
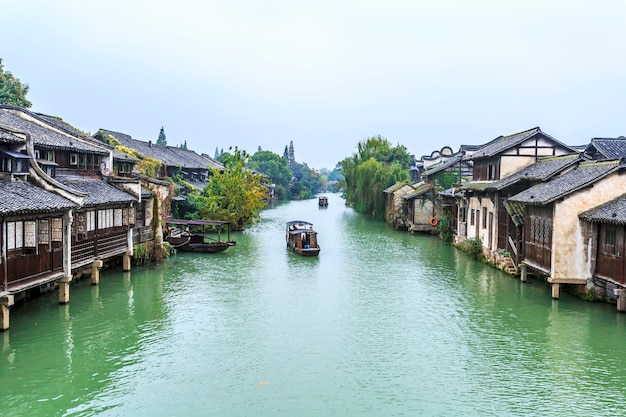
[555, 290]
[523, 272]
[64, 289]
[621, 300]
[126, 262]
[6, 301]
[95, 272]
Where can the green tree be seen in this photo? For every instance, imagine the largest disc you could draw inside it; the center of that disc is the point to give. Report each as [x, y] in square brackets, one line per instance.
[376, 166]
[162, 140]
[235, 194]
[12, 91]
[275, 167]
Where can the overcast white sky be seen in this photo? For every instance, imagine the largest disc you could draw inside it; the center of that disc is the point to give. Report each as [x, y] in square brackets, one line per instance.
[324, 74]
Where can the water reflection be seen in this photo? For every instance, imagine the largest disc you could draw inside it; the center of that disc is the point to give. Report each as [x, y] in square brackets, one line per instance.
[381, 323]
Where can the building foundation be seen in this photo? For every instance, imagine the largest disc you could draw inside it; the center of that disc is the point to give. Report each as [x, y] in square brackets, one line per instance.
[126, 262]
[64, 289]
[95, 272]
[6, 301]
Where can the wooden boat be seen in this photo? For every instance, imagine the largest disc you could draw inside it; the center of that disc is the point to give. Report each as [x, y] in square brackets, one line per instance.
[191, 235]
[301, 238]
[323, 201]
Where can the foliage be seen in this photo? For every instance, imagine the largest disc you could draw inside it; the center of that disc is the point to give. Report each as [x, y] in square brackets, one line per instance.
[445, 229]
[162, 140]
[307, 184]
[12, 91]
[235, 194]
[149, 251]
[473, 246]
[446, 179]
[274, 166]
[149, 167]
[375, 167]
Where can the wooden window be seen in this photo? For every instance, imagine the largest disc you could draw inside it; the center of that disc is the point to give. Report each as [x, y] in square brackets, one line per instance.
[117, 217]
[484, 225]
[57, 229]
[609, 241]
[30, 233]
[472, 217]
[491, 172]
[10, 235]
[91, 220]
[44, 232]
[73, 159]
[131, 215]
[125, 216]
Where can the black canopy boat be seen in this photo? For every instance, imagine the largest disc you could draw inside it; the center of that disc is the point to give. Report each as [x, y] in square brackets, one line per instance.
[301, 238]
[193, 235]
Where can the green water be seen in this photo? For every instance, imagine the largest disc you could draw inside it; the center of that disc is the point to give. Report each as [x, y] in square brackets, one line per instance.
[381, 324]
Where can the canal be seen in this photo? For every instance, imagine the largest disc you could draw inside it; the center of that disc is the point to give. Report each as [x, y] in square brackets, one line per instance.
[381, 324]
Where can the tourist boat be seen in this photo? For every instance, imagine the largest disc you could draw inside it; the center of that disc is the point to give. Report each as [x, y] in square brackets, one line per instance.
[301, 238]
[193, 235]
[323, 201]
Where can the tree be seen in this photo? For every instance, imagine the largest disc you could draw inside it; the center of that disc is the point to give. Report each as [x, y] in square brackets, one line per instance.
[162, 140]
[275, 167]
[234, 194]
[12, 91]
[184, 145]
[376, 166]
[286, 153]
[216, 155]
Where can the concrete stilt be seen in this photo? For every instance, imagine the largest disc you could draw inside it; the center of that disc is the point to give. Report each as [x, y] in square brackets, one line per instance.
[126, 262]
[523, 273]
[621, 300]
[555, 290]
[95, 272]
[6, 301]
[64, 290]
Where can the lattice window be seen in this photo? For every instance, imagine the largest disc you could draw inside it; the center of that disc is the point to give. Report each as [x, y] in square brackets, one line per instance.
[44, 232]
[57, 229]
[125, 217]
[30, 233]
[11, 235]
[81, 223]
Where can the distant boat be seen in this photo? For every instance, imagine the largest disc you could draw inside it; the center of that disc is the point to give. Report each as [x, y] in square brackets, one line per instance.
[191, 235]
[323, 201]
[301, 238]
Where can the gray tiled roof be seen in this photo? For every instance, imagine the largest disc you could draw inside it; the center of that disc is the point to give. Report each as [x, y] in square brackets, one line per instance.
[169, 155]
[420, 188]
[20, 197]
[503, 143]
[6, 136]
[98, 191]
[442, 166]
[46, 138]
[62, 125]
[585, 174]
[541, 170]
[609, 148]
[613, 211]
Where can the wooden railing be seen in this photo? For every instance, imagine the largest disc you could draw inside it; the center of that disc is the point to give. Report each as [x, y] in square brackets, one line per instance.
[86, 251]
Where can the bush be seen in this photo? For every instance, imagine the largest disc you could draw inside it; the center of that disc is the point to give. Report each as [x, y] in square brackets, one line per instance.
[473, 246]
[445, 231]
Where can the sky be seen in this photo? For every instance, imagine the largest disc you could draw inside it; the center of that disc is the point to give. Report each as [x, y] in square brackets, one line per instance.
[324, 74]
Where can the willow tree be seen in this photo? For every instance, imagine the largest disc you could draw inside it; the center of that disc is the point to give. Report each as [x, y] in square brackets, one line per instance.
[376, 166]
[234, 194]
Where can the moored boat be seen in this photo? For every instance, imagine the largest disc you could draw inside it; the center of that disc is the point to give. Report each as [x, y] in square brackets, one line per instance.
[193, 235]
[301, 238]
